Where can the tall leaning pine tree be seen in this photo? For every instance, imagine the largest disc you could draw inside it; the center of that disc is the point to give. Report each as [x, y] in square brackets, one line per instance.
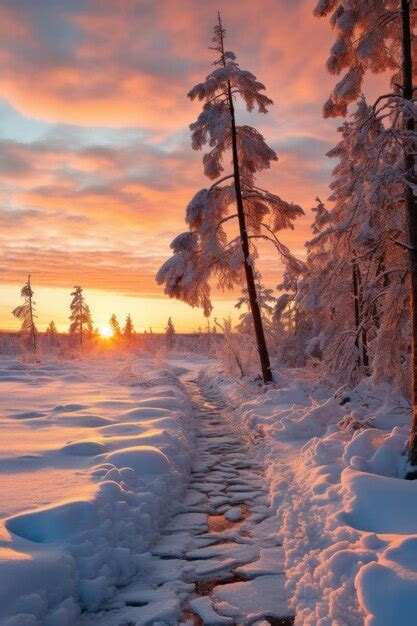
[26, 313]
[377, 36]
[206, 250]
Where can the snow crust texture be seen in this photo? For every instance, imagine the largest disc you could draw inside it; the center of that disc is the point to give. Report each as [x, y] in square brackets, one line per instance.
[100, 451]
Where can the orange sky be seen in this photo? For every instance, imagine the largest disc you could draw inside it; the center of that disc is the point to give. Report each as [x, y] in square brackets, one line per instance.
[96, 166]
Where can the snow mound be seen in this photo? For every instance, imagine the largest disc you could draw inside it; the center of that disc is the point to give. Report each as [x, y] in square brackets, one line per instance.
[142, 459]
[83, 448]
[54, 523]
[388, 594]
[379, 504]
[148, 412]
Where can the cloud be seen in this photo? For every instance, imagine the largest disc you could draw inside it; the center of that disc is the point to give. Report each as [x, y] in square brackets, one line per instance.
[115, 271]
[131, 63]
[104, 215]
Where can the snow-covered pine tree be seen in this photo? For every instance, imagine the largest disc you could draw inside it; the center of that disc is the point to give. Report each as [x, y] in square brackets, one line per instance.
[81, 321]
[128, 330]
[115, 326]
[51, 329]
[378, 224]
[308, 303]
[206, 250]
[170, 334]
[388, 292]
[350, 240]
[300, 313]
[370, 37]
[244, 330]
[266, 301]
[377, 36]
[346, 262]
[26, 313]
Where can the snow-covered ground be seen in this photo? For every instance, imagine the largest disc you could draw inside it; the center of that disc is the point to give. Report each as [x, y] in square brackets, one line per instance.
[348, 519]
[95, 460]
[95, 456]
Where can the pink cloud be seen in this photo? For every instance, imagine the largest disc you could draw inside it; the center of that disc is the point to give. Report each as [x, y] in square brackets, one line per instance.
[132, 63]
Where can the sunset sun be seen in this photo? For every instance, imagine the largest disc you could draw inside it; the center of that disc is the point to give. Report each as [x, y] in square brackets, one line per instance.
[105, 331]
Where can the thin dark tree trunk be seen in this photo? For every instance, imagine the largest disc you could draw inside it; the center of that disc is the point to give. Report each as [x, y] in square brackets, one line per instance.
[81, 323]
[411, 208]
[364, 334]
[242, 373]
[250, 279]
[355, 283]
[32, 325]
[294, 313]
[379, 269]
[365, 354]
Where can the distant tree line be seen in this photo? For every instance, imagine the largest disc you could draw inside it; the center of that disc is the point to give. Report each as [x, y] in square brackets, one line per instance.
[81, 326]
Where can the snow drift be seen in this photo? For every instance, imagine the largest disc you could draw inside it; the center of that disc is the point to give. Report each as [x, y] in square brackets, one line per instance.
[104, 458]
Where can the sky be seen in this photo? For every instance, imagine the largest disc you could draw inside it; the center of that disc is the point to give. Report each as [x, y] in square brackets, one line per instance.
[96, 166]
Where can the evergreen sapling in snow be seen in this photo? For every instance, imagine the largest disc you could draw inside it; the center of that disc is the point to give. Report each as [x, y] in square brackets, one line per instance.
[170, 335]
[26, 313]
[52, 333]
[128, 330]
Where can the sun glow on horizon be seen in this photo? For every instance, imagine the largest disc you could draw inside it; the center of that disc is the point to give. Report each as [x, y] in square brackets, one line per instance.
[105, 331]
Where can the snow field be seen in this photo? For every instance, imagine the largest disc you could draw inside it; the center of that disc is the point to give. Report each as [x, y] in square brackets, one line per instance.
[348, 520]
[117, 438]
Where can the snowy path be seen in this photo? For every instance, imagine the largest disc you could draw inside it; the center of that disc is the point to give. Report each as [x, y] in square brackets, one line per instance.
[234, 559]
[218, 560]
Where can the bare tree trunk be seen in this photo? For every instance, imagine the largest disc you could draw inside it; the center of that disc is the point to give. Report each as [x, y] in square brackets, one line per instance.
[380, 268]
[411, 208]
[355, 283]
[364, 334]
[32, 325]
[365, 354]
[250, 279]
[81, 324]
